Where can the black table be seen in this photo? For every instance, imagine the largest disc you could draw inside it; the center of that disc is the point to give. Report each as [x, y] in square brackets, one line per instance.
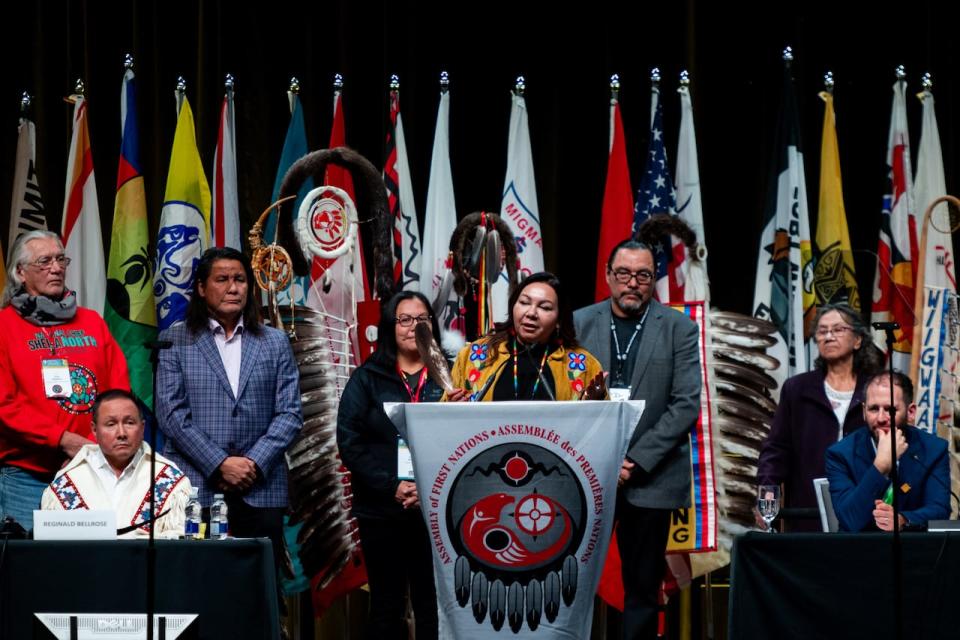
[840, 585]
[231, 584]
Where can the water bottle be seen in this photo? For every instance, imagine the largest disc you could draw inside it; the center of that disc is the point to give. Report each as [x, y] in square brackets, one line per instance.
[218, 518]
[194, 513]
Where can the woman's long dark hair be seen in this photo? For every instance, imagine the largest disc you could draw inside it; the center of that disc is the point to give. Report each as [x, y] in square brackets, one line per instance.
[386, 353]
[566, 332]
[198, 315]
[868, 359]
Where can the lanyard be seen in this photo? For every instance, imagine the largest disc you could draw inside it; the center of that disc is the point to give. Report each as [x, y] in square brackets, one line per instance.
[53, 344]
[414, 395]
[622, 355]
[516, 381]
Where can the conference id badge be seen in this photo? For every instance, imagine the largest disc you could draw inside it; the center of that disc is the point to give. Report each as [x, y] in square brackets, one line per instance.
[620, 394]
[404, 461]
[56, 377]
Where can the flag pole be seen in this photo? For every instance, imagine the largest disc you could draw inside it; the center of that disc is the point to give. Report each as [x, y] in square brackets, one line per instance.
[25, 101]
[293, 90]
[894, 472]
[180, 93]
[828, 82]
[519, 87]
[228, 83]
[614, 88]
[444, 82]
[927, 84]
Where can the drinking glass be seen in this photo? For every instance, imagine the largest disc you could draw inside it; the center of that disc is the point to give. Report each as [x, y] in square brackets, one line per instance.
[768, 503]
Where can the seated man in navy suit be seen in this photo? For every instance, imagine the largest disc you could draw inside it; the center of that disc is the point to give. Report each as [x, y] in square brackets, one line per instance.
[858, 467]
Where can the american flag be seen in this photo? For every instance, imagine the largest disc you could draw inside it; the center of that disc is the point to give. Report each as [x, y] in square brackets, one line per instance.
[657, 195]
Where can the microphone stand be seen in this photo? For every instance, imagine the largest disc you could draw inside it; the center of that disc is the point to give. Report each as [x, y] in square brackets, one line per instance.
[155, 347]
[888, 328]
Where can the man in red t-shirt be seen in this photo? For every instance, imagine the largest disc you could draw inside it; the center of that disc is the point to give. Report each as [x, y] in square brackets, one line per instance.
[54, 357]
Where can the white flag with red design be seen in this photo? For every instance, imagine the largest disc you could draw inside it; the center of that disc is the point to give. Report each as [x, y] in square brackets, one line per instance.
[893, 289]
[225, 222]
[82, 240]
[519, 208]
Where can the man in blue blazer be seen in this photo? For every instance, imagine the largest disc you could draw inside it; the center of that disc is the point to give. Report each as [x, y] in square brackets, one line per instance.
[859, 465]
[228, 398]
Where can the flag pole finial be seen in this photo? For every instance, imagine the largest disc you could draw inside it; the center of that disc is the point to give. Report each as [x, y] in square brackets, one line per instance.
[828, 82]
[128, 62]
[228, 82]
[684, 78]
[444, 82]
[181, 85]
[25, 101]
[655, 77]
[901, 73]
[79, 88]
[337, 82]
[519, 86]
[787, 55]
[927, 82]
[294, 85]
[615, 86]
[394, 82]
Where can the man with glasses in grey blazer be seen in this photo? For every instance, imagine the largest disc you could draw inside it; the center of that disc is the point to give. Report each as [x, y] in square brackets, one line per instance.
[651, 353]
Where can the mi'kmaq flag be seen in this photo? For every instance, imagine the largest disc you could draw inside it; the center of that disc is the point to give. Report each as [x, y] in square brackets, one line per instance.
[893, 288]
[518, 207]
[784, 287]
[80, 230]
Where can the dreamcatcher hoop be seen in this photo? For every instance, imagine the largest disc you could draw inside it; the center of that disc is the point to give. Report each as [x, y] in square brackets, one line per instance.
[327, 222]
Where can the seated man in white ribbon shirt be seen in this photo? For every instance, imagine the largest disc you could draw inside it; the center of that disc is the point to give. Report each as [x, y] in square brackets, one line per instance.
[114, 474]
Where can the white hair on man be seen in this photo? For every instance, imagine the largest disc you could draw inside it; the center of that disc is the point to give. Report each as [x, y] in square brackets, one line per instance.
[20, 255]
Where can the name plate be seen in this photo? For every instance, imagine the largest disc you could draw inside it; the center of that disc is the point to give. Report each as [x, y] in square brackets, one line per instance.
[79, 524]
[115, 626]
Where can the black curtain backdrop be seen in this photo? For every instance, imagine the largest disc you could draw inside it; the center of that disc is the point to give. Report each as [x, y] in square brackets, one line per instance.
[566, 53]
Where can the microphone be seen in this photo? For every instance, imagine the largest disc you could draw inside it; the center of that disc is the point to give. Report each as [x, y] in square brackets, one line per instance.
[489, 382]
[157, 345]
[885, 326]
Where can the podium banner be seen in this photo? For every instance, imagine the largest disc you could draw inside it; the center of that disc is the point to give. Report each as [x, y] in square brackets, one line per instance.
[519, 500]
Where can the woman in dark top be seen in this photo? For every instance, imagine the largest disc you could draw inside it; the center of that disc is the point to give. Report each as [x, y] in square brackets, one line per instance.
[395, 543]
[818, 408]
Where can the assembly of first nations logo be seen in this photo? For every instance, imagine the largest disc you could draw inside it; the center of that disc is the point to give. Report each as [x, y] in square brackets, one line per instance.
[516, 516]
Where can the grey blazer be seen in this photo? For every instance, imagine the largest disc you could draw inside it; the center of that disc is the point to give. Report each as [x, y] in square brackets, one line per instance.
[667, 377]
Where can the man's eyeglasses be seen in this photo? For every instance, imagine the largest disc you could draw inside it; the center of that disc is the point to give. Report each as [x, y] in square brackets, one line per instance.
[408, 321]
[838, 332]
[624, 276]
[46, 262]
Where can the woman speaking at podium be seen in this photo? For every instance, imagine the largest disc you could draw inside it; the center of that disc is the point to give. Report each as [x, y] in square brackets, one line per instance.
[533, 355]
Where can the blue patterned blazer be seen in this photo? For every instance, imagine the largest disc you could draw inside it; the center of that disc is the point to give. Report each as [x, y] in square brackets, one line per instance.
[203, 421]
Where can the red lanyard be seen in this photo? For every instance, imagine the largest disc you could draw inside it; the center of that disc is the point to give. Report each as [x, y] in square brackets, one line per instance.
[414, 395]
